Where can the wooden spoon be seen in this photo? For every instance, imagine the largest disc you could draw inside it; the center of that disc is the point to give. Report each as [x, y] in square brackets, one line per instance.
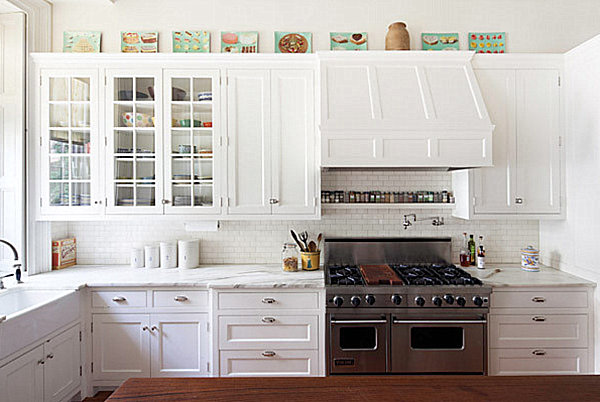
[319, 238]
[312, 246]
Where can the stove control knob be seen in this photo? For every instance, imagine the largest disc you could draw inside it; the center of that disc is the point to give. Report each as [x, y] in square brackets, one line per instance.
[437, 301]
[338, 301]
[449, 299]
[396, 299]
[355, 300]
[370, 299]
[461, 301]
[419, 301]
[478, 301]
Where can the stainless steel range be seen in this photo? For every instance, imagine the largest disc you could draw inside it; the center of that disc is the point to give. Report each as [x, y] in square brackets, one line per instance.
[400, 306]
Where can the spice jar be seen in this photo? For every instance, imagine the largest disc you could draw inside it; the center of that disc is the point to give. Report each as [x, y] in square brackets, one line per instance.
[289, 257]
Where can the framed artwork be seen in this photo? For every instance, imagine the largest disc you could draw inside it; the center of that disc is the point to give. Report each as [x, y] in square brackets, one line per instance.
[487, 42]
[440, 41]
[81, 42]
[293, 42]
[239, 42]
[348, 40]
[191, 42]
[139, 42]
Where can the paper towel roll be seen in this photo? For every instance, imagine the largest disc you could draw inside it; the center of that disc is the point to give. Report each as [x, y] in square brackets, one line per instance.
[189, 253]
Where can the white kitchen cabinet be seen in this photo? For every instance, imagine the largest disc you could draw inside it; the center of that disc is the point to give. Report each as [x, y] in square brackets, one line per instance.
[22, 380]
[527, 177]
[121, 346]
[69, 143]
[539, 361]
[271, 136]
[179, 345]
[272, 363]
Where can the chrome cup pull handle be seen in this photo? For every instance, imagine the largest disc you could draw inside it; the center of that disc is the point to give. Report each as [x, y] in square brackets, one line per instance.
[119, 299]
[539, 319]
[181, 298]
[268, 300]
[538, 352]
[268, 353]
[538, 299]
[268, 320]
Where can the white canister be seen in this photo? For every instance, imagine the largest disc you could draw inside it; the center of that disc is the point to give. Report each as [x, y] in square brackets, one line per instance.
[152, 256]
[530, 258]
[189, 253]
[137, 258]
[168, 255]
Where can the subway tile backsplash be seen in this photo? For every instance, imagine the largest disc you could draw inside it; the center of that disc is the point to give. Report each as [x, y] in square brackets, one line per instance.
[261, 241]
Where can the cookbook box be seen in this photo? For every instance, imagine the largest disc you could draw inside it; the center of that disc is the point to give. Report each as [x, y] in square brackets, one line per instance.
[64, 253]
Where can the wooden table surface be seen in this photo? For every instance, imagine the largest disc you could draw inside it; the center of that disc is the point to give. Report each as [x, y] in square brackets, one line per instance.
[363, 388]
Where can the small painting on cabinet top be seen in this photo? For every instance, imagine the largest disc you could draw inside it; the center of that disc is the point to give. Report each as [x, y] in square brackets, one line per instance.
[139, 42]
[191, 42]
[440, 41]
[81, 42]
[487, 42]
[348, 40]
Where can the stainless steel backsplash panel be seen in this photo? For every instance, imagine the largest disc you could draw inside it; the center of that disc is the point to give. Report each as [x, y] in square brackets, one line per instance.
[356, 251]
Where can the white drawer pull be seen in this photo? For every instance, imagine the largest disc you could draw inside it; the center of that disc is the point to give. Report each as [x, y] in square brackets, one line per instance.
[119, 299]
[268, 300]
[539, 352]
[539, 319]
[268, 320]
[538, 299]
[268, 353]
[181, 298]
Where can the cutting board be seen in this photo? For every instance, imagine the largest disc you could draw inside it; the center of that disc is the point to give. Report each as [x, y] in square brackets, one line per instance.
[380, 275]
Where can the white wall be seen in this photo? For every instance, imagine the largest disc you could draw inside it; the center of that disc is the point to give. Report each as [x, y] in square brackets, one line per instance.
[532, 25]
[572, 245]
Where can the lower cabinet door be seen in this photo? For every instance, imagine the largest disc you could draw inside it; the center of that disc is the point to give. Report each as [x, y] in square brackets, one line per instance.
[22, 380]
[269, 363]
[538, 361]
[179, 345]
[63, 358]
[121, 346]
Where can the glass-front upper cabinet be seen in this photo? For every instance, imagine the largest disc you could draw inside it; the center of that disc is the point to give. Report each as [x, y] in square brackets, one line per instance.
[192, 142]
[134, 142]
[70, 182]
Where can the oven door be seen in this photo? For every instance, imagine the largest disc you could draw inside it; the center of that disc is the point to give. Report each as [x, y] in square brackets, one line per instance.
[438, 344]
[358, 344]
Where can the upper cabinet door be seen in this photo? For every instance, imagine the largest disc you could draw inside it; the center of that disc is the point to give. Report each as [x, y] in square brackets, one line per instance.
[192, 142]
[70, 154]
[538, 141]
[495, 186]
[249, 140]
[134, 142]
[293, 142]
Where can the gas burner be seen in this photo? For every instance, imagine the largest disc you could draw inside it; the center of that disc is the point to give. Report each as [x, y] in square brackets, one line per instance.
[345, 275]
[434, 274]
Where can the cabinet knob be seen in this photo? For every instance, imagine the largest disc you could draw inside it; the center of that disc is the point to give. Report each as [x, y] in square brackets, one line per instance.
[268, 353]
[268, 300]
[154, 328]
[539, 319]
[98, 202]
[273, 201]
[119, 299]
[538, 299]
[145, 328]
[181, 298]
[518, 200]
[50, 356]
[538, 352]
[41, 361]
[164, 202]
[268, 320]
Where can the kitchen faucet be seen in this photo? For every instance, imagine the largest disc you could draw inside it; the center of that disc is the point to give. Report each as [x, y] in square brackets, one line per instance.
[435, 220]
[16, 265]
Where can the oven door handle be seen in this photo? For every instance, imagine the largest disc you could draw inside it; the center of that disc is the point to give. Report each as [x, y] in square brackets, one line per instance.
[439, 321]
[358, 321]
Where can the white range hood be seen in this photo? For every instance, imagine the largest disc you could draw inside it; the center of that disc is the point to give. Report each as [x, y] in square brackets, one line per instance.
[402, 110]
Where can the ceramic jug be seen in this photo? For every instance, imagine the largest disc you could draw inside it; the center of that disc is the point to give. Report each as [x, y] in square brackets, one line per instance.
[397, 37]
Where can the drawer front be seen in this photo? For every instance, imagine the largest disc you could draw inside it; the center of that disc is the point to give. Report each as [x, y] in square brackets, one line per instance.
[119, 299]
[539, 331]
[268, 332]
[240, 363]
[179, 298]
[538, 361]
[266, 300]
[542, 299]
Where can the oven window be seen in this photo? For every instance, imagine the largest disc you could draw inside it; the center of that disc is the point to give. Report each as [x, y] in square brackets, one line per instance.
[356, 338]
[436, 338]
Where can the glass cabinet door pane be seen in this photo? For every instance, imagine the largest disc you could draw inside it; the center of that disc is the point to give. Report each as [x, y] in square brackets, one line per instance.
[182, 169]
[202, 89]
[59, 115]
[80, 142]
[182, 195]
[203, 169]
[145, 195]
[80, 194]
[59, 89]
[80, 167]
[202, 116]
[180, 142]
[203, 196]
[144, 116]
[144, 89]
[180, 90]
[123, 142]
[59, 194]
[123, 89]
[145, 169]
[124, 116]
[203, 142]
[124, 168]
[180, 116]
[59, 167]
[124, 195]
[144, 141]
[59, 142]
[80, 115]
[80, 89]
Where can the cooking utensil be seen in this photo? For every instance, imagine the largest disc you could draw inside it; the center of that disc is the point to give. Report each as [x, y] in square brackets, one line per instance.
[312, 246]
[494, 272]
[295, 237]
[304, 238]
[319, 238]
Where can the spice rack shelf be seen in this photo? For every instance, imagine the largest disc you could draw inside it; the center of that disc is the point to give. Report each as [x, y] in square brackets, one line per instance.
[405, 205]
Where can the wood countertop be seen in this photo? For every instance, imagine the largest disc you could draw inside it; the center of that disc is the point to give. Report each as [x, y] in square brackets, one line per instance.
[363, 388]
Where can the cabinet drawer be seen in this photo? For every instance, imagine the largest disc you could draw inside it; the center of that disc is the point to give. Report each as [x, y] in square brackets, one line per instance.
[537, 331]
[266, 300]
[269, 363]
[266, 332]
[538, 361]
[179, 298]
[541, 299]
[119, 299]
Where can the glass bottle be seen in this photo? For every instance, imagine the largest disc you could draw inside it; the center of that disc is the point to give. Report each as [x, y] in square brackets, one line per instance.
[472, 250]
[481, 254]
[465, 259]
[289, 257]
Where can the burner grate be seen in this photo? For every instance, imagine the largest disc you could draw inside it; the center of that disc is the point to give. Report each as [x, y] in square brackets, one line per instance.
[434, 274]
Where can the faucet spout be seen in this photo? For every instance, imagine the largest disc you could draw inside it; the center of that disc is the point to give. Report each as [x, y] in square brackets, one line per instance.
[17, 265]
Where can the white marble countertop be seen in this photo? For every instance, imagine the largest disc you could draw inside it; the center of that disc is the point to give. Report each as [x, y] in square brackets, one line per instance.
[214, 276]
[512, 275]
